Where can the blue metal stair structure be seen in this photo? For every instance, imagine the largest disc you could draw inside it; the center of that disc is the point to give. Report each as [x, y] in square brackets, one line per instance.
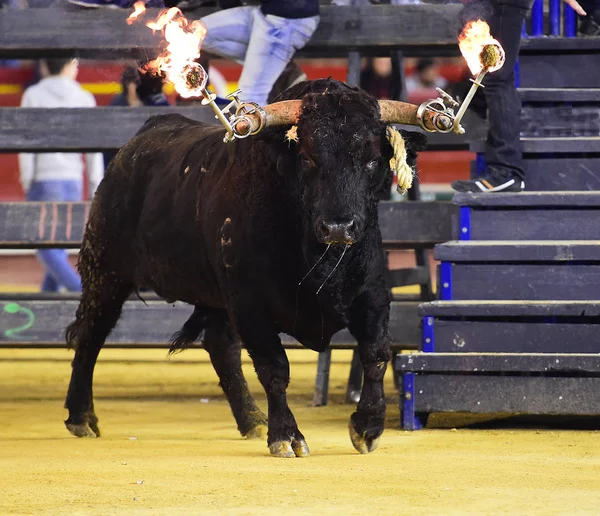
[515, 328]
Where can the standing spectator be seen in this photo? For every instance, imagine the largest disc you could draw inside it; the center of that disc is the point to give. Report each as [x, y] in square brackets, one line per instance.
[426, 76]
[58, 176]
[505, 170]
[378, 78]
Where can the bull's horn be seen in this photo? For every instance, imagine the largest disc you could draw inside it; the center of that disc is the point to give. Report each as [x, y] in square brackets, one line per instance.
[396, 112]
[286, 112]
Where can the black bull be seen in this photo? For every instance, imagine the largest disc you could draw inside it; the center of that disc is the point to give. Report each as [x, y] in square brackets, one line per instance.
[263, 236]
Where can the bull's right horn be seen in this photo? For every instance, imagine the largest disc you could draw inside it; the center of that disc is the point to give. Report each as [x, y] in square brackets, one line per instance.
[286, 112]
[396, 112]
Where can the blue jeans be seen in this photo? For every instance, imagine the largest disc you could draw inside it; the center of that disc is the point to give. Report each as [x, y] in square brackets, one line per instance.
[264, 44]
[59, 271]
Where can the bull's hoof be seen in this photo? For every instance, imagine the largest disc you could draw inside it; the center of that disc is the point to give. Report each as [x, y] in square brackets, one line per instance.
[258, 432]
[362, 442]
[288, 449]
[300, 448]
[282, 449]
[82, 430]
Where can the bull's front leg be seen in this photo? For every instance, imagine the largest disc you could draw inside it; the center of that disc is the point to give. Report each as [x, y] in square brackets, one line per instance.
[273, 370]
[369, 317]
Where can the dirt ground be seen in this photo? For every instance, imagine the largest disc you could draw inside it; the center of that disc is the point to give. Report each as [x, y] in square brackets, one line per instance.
[170, 446]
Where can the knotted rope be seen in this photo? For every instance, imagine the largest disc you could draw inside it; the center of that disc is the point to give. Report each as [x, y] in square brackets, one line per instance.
[398, 164]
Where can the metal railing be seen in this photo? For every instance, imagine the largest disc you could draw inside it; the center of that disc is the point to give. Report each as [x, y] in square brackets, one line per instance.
[538, 25]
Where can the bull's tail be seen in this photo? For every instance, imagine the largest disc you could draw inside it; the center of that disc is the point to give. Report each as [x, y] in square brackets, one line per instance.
[193, 328]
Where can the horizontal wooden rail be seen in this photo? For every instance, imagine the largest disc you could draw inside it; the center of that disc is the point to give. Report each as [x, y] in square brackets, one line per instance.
[109, 128]
[33, 225]
[65, 31]
[418, 30]
[42, 323]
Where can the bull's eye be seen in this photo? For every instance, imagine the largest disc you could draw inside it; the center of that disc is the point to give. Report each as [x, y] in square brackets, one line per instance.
[307, 161]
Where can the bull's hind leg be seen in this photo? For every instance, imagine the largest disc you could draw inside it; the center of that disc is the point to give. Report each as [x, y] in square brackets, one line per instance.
[98, 312]
[225, 354]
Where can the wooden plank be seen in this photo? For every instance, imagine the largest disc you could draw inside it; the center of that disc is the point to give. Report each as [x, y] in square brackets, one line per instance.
[507, 394]
[45, 224]
[543, 95]
[541, 224]
[35, 33]
[563, 199]
[416, 223]
[42, 224]
[408, 276]
[515, 336]
[550, 363]
[518, 251]
[81, 129]
[566, 144]
[42, 323]
[510, 309]
[525, 281]
[109, 128]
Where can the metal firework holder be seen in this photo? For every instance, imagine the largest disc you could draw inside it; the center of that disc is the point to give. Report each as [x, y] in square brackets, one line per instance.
[236, 120]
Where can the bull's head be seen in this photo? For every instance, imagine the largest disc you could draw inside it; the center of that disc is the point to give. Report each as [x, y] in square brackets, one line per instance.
[341, 153]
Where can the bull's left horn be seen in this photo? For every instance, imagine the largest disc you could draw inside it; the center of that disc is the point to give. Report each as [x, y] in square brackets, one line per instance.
[286, 112]
[396, 112]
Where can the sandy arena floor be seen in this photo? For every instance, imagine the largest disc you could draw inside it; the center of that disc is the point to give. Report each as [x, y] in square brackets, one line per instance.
[170, 446]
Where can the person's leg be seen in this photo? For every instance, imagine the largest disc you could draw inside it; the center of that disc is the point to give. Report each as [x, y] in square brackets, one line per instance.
[505, 167]
[228, 33]
[56, 261]
[503, 148]
[49, 283]
[273, 42]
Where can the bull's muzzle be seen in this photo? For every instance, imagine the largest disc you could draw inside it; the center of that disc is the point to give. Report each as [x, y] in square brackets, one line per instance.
[341, 232]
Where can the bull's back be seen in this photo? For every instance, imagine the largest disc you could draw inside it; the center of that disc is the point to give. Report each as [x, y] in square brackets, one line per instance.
[144, 212]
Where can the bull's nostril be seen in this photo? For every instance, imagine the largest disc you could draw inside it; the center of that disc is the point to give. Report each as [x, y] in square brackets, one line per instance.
[325, 227]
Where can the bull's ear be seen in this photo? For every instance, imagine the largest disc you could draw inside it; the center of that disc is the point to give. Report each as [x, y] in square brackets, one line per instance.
[415, 143]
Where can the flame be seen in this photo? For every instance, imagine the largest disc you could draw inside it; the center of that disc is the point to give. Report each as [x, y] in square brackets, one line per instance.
[138, 9]
[473, 39]
[178, 60]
